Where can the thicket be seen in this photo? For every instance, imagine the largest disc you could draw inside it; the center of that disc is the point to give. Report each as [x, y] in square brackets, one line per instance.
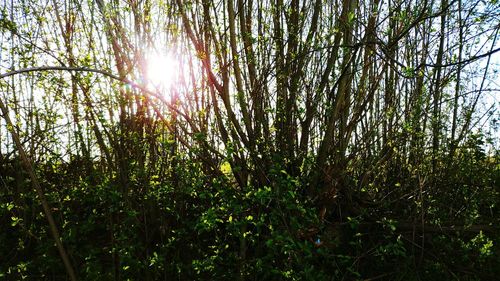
[196, 226]
[314, 140]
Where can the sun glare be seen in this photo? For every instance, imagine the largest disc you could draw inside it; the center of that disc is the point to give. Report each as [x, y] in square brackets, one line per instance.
[162, 70]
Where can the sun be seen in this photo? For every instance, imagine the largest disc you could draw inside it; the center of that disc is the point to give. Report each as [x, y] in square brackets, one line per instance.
[162, 70]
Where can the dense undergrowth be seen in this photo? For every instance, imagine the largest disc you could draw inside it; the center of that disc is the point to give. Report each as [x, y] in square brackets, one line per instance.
[185, 225]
